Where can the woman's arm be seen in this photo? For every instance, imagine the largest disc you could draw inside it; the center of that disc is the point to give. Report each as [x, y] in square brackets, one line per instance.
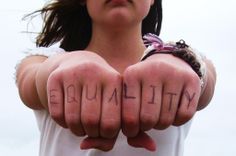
[209, 88]
[25, 78]
[80, 90]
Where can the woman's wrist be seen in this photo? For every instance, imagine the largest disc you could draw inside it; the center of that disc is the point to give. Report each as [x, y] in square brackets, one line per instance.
[178, 49]
[209, 85]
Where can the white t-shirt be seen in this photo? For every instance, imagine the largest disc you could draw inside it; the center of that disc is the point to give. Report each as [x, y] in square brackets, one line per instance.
[57, 141]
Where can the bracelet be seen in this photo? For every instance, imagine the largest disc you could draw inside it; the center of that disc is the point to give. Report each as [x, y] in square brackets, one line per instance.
[179, 49]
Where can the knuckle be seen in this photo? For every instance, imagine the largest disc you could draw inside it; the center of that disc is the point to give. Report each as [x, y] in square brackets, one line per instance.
[166, 121]
[109, 128]
[78, 132]
[148, 120]
[150, 70]
[195, 80]
[185, 115]
[72, 119]
[57, 115]
[164, 70]
[55, 75]
[115, 78]
[192, 77]
[92, 66]
[161, 64]
[155, 65]
[130, 121]
[177, 74]
[110, 125]
[74, 123]
[90, 121]
[130, 72]
[63, 74]
[87, 68]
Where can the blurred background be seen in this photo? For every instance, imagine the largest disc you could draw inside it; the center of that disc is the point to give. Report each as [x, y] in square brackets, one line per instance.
[208, 25]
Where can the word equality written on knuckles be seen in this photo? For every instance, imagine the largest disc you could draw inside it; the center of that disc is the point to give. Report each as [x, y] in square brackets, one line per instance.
[92, 94]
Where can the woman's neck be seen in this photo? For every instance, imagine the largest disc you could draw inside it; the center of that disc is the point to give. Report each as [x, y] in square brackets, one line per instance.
[119, 48]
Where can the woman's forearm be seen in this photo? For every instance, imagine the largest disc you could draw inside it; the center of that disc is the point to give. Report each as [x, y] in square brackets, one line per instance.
[209, 87]
[25, 78]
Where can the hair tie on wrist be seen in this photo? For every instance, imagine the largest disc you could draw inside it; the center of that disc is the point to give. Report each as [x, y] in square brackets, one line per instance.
[179, 49]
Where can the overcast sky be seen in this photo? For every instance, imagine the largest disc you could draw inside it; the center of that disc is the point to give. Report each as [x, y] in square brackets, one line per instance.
[208, 25]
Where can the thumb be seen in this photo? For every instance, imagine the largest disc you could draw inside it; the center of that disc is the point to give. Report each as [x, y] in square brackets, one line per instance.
[142, 140]
[98, 143]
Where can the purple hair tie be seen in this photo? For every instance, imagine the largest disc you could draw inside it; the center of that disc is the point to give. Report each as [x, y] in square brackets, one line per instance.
[154, 41]
[179, 49]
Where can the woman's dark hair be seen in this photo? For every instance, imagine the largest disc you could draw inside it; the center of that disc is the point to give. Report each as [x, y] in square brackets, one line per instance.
[68, 21]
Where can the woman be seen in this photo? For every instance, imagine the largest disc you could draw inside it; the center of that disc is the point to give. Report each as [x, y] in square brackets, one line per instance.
[100, 86]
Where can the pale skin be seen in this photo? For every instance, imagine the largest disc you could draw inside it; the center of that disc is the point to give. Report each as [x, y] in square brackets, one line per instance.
[102, 90]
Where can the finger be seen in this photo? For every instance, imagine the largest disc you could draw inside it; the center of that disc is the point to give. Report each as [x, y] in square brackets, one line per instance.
[142, 140]
[91, 108]
[189, 102]
[151, 105]
[111, 108]
[98, 143]
[130, 105]
[171, 96]
[73, 93]
[56, 99]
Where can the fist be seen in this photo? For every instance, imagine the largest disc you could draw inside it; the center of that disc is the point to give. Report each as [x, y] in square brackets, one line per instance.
[161, 91]
[84, 94]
